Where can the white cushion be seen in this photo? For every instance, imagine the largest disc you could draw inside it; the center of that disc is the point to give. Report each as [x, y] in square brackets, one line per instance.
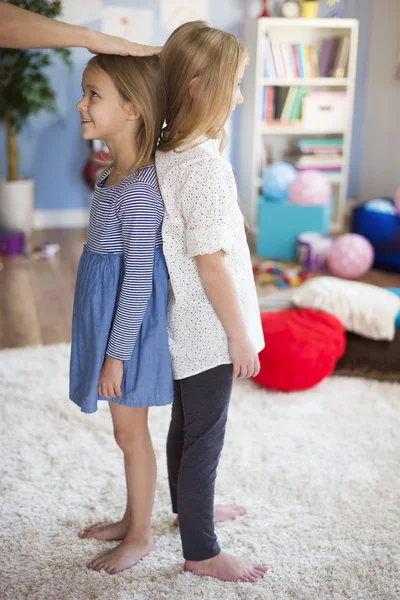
[365, 309]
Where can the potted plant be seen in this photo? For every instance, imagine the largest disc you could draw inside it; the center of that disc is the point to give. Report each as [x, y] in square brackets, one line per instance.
[24, 91]
[309, 9]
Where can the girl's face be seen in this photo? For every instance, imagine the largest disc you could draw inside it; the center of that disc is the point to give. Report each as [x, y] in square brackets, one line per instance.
[103, 112]
[237, 97]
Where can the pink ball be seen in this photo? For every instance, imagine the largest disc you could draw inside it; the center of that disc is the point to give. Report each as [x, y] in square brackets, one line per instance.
[351, 256]
[397, 201]
[310, 187]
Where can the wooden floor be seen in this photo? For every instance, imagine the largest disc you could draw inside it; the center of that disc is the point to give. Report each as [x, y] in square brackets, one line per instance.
[36, 296]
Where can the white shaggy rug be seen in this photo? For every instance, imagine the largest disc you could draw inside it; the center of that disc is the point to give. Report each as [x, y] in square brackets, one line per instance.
[318, 472]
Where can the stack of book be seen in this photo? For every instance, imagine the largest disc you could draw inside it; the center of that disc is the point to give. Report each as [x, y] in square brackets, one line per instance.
[286, 61]
[282, 105]
[321, 154]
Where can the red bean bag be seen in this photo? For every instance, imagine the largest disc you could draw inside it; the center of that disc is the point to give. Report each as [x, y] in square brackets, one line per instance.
[301, 348]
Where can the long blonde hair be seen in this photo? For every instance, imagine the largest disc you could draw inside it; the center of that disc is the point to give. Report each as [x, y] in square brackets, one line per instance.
[139, 81]
[212, 57]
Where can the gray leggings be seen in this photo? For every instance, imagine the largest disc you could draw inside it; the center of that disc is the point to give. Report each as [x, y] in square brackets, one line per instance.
[194, 445]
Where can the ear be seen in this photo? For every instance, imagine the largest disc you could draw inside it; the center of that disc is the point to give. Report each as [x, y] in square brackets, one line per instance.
[192, 86]
[132, 113]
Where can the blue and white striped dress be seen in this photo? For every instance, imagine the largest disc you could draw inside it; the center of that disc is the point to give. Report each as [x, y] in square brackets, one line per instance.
[121, 295]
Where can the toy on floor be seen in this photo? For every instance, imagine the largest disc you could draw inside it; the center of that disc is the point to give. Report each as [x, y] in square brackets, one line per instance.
[310, 188]
[351, 256]
[276, 181]
[45, 251]
[312, 251]
[281, 274]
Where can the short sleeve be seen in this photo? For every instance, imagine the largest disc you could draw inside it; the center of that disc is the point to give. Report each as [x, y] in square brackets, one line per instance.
[208, 202]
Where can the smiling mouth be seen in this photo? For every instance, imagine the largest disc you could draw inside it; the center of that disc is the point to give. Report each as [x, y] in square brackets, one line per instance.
[86, 121]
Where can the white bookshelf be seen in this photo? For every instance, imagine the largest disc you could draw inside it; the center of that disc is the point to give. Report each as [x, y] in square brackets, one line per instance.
[253, 131]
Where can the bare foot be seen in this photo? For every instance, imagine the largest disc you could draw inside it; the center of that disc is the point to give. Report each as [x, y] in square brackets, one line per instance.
[223, 512]
[106, 531]
[122, 557]
[227, 568]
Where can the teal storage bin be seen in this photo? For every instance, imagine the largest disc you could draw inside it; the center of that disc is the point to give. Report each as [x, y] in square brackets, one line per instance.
[280, 224]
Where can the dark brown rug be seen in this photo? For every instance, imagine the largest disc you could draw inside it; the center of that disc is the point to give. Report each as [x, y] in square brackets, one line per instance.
[370, 359]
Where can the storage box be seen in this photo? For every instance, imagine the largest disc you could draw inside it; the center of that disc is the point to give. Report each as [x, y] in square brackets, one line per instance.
[280, 224]
[11, 242]
[325, 110]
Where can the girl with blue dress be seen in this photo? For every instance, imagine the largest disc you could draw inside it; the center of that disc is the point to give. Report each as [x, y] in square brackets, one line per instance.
[119, 334]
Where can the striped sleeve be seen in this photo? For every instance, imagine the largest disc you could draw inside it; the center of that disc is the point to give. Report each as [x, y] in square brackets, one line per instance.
[139, 209]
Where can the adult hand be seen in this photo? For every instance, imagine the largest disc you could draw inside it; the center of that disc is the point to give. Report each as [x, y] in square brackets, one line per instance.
[102, 43]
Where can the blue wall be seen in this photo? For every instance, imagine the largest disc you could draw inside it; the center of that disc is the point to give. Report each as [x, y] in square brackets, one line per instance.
[362, 10]
[53, 152]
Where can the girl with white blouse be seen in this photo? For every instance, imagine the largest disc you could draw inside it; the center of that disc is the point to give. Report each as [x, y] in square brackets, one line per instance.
[214, 323]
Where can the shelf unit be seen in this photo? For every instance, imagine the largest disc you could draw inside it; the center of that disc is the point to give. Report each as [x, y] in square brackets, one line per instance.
[253, 131]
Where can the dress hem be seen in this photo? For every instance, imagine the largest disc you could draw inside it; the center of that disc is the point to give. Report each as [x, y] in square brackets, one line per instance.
[122, 403]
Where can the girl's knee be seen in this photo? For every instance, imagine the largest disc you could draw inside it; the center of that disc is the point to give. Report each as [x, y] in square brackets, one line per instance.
[129, 441]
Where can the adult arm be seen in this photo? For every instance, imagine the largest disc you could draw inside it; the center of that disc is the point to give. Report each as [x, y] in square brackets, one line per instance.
[21, 28]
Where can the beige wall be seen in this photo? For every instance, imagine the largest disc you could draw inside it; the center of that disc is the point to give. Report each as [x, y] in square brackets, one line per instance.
[380, 147]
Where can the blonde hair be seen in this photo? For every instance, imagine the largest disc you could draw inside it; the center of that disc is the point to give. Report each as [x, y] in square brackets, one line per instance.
[196, 50]
[139, 81]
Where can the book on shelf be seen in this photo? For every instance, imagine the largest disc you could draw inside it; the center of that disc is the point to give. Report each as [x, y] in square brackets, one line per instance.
[282, 104]
[321, 145]
[278, 59]
[287, 61]
[333, 161]
[287, 108]
[320, 154]
[321, 169]
[269, 63]
[268, 104]
[327, 55]
[301, 59]
[295, 113]
[339, 67]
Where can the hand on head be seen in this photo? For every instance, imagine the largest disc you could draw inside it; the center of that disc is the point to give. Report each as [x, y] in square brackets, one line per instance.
[101, 43]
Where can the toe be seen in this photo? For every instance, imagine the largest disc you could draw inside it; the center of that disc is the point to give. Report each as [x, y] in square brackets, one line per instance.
[244, 579]
[262, 567]
[256, 574]
[260, 574]
[95, 565]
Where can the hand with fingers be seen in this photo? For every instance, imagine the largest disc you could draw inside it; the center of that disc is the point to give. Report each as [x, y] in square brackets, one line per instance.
[244, 357]
[111, 378]
[102, 43]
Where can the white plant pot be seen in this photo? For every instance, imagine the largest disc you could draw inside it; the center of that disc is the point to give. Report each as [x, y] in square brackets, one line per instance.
[16, 204]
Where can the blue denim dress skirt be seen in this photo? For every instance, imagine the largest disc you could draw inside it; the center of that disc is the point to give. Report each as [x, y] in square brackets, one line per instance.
[147, 378]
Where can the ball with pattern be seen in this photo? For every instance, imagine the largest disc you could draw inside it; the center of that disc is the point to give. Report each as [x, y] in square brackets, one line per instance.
[277, 180]
[351, 256]
[310, 188]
